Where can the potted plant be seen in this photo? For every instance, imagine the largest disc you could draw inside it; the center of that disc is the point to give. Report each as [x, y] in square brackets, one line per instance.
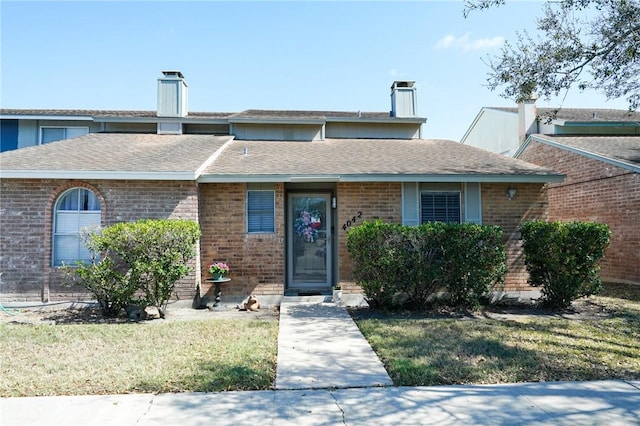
[218, 270]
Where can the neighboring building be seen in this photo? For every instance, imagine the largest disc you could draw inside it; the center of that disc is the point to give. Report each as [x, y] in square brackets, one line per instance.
[274, 192]
[597, 149]
[602, 185]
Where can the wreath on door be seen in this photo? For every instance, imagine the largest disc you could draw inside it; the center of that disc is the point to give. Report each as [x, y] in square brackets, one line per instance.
[307, 225]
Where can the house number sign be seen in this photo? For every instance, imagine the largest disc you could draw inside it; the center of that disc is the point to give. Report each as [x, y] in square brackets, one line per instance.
[349, 223]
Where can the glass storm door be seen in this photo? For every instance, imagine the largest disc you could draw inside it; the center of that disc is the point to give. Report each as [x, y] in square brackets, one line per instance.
[309, 244]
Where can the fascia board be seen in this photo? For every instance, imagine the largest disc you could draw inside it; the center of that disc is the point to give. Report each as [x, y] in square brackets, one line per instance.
[238, 120]
[155, 120]
[587, 154]
[548, 178]
[91, 174]
[390, 120]
[46, 117]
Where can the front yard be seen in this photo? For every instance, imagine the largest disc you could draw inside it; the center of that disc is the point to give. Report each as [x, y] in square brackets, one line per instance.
[600, 340]
[160, 356]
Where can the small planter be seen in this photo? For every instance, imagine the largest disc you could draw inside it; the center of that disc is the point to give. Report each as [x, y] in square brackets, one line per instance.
[337, 296]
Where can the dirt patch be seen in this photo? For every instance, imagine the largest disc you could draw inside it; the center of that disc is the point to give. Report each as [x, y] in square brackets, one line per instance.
[582, 309]
[92, 315]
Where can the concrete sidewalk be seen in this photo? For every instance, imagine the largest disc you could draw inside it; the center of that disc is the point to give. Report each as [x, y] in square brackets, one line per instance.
[327, 374]
[554, 403]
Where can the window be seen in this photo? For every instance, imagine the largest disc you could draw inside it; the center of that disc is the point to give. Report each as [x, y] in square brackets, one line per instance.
[76, 209]
[261, 211]
[52, 134]
[439, 207]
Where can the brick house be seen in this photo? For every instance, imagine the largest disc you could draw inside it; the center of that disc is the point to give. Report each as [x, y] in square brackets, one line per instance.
[598, 151]
[602, 185]
[274, 192]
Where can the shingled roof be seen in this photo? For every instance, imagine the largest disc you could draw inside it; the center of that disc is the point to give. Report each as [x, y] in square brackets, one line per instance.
[114, 156]
[582, 115]
[368, 160]
[184, 156]
[623, 150]
[220, 158]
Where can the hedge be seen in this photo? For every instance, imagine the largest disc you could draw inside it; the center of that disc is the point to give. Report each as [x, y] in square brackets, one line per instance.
[408, 265]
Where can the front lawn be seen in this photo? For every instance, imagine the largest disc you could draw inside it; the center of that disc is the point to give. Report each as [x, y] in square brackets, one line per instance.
[183, 356]
[600, 340]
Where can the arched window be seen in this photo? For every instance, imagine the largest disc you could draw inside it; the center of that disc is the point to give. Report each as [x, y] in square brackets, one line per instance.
[76, 209]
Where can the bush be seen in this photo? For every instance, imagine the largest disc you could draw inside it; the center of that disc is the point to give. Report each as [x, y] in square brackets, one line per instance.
[156, 252]
[147, 255]
[398, 265]
[102, 278]
[562, 258]
[474, 260]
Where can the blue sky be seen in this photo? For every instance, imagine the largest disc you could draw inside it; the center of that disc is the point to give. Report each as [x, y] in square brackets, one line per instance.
[262, 55]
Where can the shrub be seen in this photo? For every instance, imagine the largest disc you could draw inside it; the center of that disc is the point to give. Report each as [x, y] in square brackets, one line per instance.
[562, 258]
[102, 277]
[397, 264]
[474, 260]
[156, 252]
[149, 255]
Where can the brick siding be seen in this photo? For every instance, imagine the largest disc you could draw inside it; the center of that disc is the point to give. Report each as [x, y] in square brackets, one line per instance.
[375, 201]
[599, 192]
[257, 261]
[26, 214]
[529, 203]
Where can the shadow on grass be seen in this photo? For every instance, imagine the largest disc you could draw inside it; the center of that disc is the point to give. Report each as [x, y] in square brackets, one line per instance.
[213, 377]
[437, 352]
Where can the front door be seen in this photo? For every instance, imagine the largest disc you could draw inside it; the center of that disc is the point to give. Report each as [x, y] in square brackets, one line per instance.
[309, 242]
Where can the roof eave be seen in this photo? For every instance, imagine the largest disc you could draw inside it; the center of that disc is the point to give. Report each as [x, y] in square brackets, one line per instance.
[482, 178]
[97, 174]
[382, 120]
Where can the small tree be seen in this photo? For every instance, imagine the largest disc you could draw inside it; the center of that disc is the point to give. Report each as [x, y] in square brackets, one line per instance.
[562, 258]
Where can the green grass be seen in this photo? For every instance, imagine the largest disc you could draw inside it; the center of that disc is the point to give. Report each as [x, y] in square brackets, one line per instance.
[183, 356]
[435, 351]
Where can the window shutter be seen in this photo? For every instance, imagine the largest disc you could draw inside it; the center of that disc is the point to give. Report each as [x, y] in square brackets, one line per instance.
[410, 204]
[473, 203]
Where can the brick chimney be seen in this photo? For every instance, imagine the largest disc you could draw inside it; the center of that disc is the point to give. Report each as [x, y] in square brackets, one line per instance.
[403, 99]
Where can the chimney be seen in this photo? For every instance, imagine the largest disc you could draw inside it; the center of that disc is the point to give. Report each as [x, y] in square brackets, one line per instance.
[527, 118]
[172, 95]
[403, 99]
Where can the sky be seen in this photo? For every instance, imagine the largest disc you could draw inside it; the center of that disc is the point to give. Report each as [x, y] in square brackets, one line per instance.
[291, 55]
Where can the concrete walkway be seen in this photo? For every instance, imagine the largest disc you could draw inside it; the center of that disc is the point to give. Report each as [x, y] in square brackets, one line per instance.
[320, 347]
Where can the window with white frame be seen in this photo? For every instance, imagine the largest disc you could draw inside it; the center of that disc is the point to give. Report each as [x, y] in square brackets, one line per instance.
[57, 133]
[75, 210]
[440, 206]
[261, 211]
